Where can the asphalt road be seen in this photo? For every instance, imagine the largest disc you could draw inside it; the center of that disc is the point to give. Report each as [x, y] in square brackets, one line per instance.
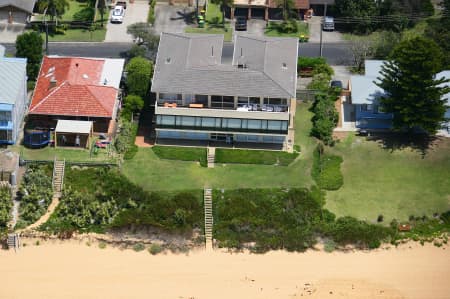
[335, 53]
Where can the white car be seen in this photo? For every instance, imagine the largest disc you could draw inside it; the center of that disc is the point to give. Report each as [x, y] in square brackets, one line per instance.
[117, 14]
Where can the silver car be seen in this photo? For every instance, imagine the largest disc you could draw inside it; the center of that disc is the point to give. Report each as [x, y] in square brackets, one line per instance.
[117, 14]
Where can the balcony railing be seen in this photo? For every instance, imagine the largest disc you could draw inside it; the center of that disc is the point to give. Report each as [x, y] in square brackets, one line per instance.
[227, 106]
[216, 129]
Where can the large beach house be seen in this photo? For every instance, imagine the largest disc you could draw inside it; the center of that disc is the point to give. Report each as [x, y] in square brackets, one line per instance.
[13, 96]
[201, 97]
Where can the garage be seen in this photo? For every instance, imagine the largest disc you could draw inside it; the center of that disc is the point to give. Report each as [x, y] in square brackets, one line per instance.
[241, 12]
[15, 11]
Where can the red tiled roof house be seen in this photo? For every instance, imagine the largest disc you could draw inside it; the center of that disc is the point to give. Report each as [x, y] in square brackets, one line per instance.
[77, 88]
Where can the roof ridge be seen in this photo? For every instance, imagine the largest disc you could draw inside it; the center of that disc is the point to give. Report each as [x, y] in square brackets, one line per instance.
[47, 96]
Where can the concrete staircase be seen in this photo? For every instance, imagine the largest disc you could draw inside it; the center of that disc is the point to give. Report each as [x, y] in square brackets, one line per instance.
[207, 198]
[211, 156]
[58, 177]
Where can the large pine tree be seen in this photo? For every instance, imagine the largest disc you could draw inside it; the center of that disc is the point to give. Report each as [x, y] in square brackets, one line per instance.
[413, 92]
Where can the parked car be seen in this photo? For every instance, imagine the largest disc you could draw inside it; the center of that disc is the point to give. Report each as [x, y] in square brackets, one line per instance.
[328, 24]
[122, 3]
[241, 23]
[336, 83]
[117, 14]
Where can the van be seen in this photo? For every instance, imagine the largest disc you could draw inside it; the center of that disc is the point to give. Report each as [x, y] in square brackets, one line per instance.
[328, 24]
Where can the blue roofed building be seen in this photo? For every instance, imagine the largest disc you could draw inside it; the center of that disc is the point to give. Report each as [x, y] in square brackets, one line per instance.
[365, 95]
[13, 97]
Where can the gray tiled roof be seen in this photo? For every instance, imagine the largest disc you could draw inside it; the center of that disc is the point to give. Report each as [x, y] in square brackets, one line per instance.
[26, 5]
[12, 76]
[191, 64]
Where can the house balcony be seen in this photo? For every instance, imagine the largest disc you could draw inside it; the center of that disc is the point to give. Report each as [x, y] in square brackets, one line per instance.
[244, 112]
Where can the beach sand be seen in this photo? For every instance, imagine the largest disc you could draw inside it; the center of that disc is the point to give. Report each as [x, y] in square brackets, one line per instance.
[71, 269]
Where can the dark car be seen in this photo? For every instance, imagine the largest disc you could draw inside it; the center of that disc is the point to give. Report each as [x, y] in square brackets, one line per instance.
[241, 23]
[336, 83]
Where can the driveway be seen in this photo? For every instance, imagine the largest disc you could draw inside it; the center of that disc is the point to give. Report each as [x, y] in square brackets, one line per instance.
[327, 36]
[172, 19]
[135, 12]
[255, 27]
[9, 32]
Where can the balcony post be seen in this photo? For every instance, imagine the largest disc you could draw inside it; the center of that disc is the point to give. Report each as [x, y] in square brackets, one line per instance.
[261, 101]
[235, 102]
[183, 99]
[209, 101]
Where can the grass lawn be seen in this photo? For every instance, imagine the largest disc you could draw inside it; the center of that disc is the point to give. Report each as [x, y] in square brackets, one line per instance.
[76, 155]
[228, 34]
[213, 13]
[274, 30]
[78, 35]
[152, 173]
[254, 157]
[395, 184]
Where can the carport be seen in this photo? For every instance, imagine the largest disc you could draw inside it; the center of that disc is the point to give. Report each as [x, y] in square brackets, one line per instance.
[76, 133]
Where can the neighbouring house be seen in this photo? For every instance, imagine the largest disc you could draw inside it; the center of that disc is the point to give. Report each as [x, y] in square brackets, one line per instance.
[16, 11]
[250, 99]
[363, 106]
[13, 97]
[77, 88]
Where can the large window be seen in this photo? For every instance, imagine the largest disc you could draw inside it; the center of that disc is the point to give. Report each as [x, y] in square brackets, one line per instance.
[5, 115]
[222, 124]
[222, 102]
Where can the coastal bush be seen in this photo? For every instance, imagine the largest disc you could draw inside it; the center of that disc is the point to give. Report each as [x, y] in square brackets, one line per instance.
[181, 153]
[138, 247]
[125, 140]
[96, 199]
[155, 249]
[254, 157]
[5, 209]
[35, 193]
[325, 116]
[312, 62]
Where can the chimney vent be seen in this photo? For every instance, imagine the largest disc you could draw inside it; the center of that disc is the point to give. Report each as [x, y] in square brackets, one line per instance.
[53, 82]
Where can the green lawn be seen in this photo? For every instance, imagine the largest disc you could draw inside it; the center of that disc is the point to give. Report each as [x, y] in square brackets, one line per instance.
[152, 173]
[213, 13]
[274, 30]
[74, 6]
[75, 155]
[181, 153]
[78, 35]
[395, 184]
[254, 157]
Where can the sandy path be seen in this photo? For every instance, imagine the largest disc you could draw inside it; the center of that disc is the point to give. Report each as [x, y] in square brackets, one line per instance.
[74, 270]
[51, 208]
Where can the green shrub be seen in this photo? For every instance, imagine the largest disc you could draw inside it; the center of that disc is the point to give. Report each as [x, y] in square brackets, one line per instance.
[102, 245]
[304, 62]
[326, 170]
[84, 15]
[254, 157]
[155, 249]
[297, 148]
[138, 247]
[325, 116]
[125, 140]
[323, 69]
[30, 85]
[320, 81]
[329, 246]
[182, 153]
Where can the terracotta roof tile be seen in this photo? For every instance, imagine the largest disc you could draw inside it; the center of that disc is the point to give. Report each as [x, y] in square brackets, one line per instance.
[77, 91]
[299, 4]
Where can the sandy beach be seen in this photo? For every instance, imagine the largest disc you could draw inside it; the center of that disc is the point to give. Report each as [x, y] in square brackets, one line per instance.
[71, 269]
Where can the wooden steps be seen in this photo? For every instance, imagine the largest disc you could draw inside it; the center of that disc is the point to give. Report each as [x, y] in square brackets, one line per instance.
[58, 177]
[211, 156]
[209, 221]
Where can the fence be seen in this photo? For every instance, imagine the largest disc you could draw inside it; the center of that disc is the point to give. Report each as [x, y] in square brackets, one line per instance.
[306, 95]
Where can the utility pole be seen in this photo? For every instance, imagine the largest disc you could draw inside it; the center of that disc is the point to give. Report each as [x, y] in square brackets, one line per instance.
[321, 29]
[46, 31]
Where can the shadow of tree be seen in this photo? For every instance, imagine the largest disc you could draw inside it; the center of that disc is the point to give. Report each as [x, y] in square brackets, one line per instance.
[397, 141]
[187, 15]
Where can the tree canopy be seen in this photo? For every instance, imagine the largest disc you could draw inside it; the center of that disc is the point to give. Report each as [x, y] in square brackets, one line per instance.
[139, 73]
[413, 94]
[55, 8]
[29, 45]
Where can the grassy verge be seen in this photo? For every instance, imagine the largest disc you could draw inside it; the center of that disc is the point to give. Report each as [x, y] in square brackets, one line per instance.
[213, 13]
[327, 171]
[227, 31]
[74, 7]
[181, 153]
[78, 35]
[275, 29]
[254, 157]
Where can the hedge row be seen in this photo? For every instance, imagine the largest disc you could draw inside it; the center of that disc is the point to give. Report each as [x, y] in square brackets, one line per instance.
[254, 157]
[181, 153]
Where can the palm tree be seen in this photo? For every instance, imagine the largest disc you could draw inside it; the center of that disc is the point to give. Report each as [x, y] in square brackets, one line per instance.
[55, 8]
[288, 6]
[223, 4]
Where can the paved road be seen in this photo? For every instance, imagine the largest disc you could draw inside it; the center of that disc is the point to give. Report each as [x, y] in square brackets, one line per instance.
[336, 53]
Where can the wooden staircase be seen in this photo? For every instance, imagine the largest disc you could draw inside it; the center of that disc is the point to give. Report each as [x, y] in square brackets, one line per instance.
[58, 177]
[211, 156]
[207, 198]
[13, 241]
